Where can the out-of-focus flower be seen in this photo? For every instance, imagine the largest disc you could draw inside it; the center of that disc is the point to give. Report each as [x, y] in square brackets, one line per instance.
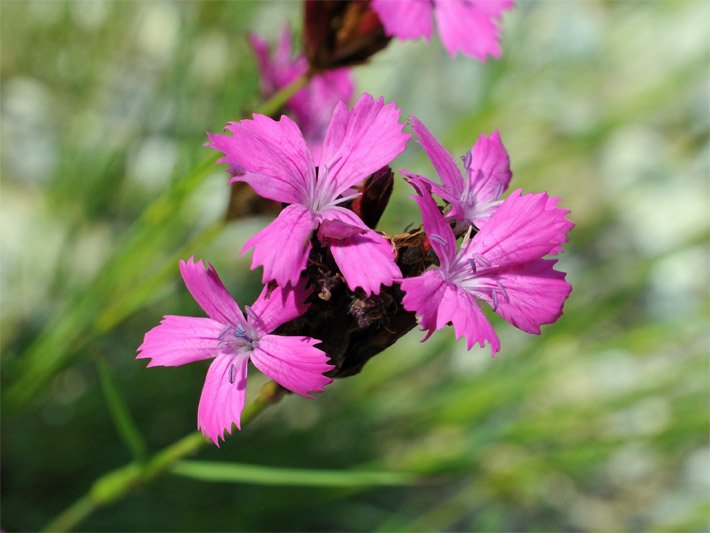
[466, 26]
[475, 196]
[279, 166]
[338, 33]
[501, 265]
[232, 340]
[312, 106]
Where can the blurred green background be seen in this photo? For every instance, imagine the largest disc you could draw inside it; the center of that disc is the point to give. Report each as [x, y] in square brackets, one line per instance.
[599, 424]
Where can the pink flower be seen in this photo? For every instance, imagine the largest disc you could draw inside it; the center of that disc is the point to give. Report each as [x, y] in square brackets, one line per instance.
[232, 340]
[279, 166]
[312, 106]
[475, 196]
[466, 26]
[501, 265]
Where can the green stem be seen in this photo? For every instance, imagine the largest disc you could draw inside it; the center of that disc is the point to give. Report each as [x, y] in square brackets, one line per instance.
[274, 104]
[117, 484]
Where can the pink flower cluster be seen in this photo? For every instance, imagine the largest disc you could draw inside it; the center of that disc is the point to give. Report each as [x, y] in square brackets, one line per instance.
[503, 265]
[315, 171]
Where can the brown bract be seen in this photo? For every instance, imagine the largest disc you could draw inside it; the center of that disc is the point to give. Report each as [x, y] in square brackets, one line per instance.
[376, 192]
[341, 33]
[244, 202]
[353, 327]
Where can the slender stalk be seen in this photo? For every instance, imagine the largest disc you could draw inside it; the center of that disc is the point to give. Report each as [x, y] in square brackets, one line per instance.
[274, 104]
[117, 484]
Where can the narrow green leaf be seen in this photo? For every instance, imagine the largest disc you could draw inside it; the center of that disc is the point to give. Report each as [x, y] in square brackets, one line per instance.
[125, 425]
[223, 472]
[119, 289]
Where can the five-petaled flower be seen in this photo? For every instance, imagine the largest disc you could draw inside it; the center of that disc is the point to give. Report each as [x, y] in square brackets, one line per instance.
[466, 26]
[278, 165]
[475, 196]
[232, 340]
[501, 265]
[312, 106]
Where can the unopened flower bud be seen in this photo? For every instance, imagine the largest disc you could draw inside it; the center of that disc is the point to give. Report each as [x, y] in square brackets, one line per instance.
[341, 33]
[376, 192]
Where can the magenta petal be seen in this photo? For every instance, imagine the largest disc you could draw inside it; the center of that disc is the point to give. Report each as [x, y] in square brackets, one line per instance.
[358, 143]
[222, 143]
[277, 69]
[422, 296]
[209, 292]
[405, 19]
[283, 246]
[552, 206]
[274, 156]
[417, 181]
[261, 51]
[438, 302]
[278, 305]
[313, 105]
[471, 27]
[460, 308]
[442, 160]
[488, 168]
[365, 260]
[222, 399]
[293, 362]
[179, 340]
[534, 295]
[524, 228]
[337, 230]
[438, 231]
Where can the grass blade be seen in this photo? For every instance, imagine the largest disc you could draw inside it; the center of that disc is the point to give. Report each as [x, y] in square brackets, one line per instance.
[125, 425]
[223, 472]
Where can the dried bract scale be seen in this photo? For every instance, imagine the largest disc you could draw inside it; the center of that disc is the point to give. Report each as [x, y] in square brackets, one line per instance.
[373, 309]
[353, 327]
[244, 202]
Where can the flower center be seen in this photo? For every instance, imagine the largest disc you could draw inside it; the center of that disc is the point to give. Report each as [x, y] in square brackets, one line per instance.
[238, 340]
[322, 190]
[477, 276]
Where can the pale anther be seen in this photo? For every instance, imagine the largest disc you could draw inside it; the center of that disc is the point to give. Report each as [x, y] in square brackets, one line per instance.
[240, 332]
[250, 313]
[482, 260]
[503, 291]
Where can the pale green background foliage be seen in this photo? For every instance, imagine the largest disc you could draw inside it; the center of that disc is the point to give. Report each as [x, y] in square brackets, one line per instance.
[599, 424]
